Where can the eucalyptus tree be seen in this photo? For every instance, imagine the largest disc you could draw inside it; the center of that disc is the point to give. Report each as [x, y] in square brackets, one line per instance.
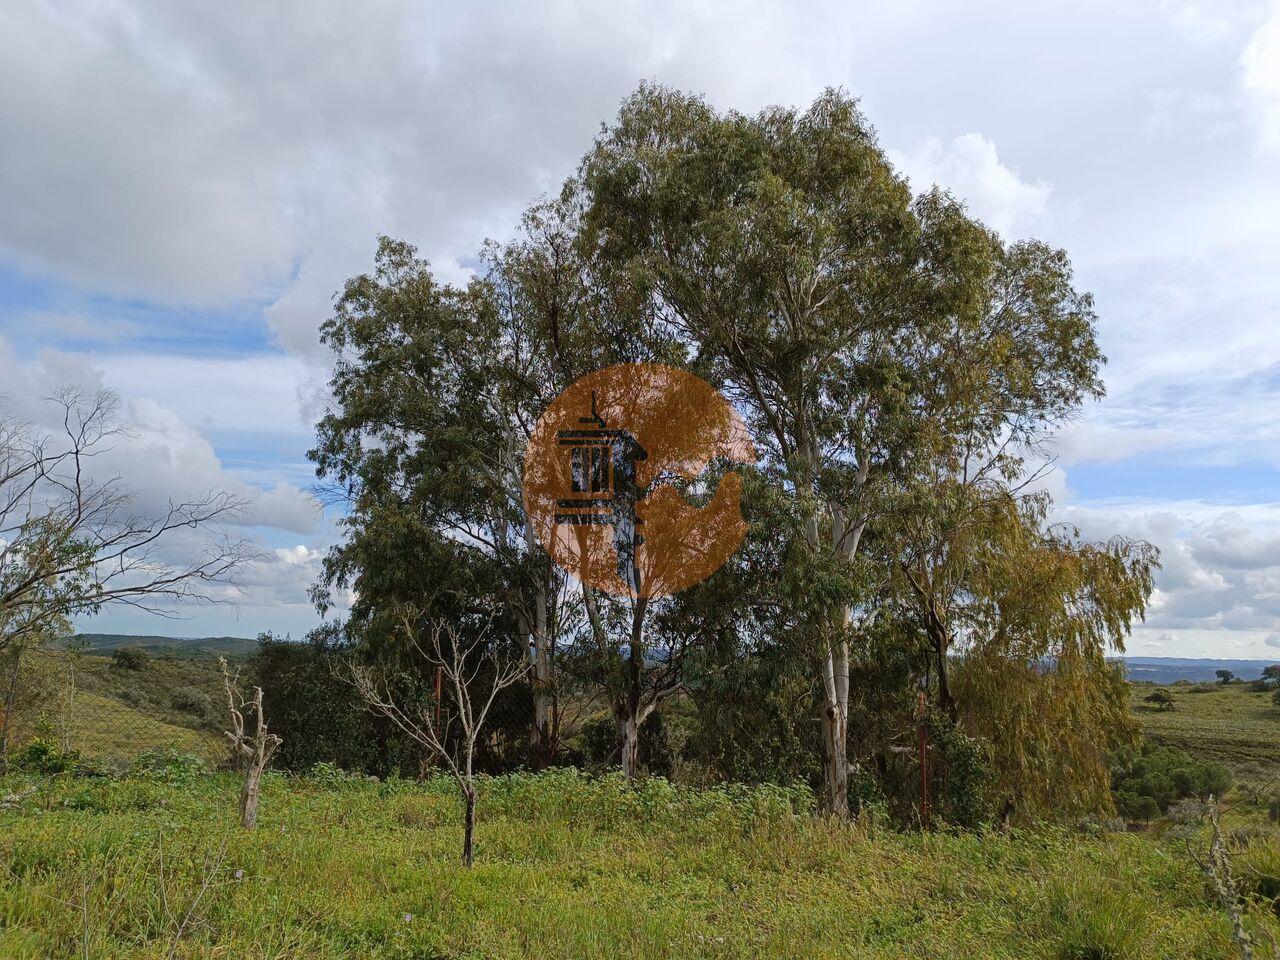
[433, 390]
[849, 320]
[436, 392]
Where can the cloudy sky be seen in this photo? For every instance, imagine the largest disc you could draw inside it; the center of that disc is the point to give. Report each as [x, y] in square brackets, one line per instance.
[185, 186]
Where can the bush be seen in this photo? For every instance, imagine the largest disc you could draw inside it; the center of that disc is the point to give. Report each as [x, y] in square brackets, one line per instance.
[1163, 776]
[130, 658]
[330, 775]
[169, 765]
[965, 768]
[319, 714]
[1136, 806]
[45, 756]
[600, 744]
[193, 701]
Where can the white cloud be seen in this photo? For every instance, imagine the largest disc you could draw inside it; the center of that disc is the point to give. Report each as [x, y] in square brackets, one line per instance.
[971, 169]
[1088, 442]
[1219, 586]
[217, 154]
[1260, 78]
[160, 455]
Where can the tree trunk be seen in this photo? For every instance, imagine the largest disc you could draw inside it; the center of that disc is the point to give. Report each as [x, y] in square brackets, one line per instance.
[945, 697]
[10, 699]
[468, 826]
[630, 730]
[249, 795]
[539, 649]
[543, 734]
[941, 639]
[542, 744]
[835, 761]
[630, 713]
[834, 720]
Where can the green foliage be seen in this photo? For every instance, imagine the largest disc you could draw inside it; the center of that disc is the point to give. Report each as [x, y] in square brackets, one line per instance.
[319, 714]
[169, 765]
[599, 743]
[330, 775]
[572, 866]
[1224, 676]
[193, 701]
[1163, 776]
[967, 777]
[45, 756]
[1162, 699]
[130, 658]
[1097, 921]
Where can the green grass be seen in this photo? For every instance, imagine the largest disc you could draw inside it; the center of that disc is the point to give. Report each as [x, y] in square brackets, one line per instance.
[566, 867]
[112, 714]
[1229, 724]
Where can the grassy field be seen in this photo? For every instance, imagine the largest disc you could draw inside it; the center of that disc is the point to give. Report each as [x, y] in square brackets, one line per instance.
[111, 714]
[155, 866]
[566, 867]
[1230, 725]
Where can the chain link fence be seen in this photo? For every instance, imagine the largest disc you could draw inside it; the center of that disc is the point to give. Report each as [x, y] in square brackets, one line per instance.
[110, 709]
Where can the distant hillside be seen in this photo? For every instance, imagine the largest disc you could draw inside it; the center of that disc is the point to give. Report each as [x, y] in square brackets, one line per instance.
[1173, 669]
[182, 648]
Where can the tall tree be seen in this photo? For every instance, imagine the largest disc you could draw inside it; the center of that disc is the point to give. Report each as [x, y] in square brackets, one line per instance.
[845, 317]
[435, 395]
[1044, 608]
[422, 441]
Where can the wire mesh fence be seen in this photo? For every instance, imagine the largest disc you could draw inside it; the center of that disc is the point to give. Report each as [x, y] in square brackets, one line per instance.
[112, 707]
[109, 709]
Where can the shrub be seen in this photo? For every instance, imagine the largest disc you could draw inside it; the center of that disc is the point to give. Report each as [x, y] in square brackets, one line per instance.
[1164, 776]
[193, 701]
[1136, 806]
[320, 715]
[965, 766]
[330, 775]
[169, 765]
[45, 756]
[600, 744]
[130, 658]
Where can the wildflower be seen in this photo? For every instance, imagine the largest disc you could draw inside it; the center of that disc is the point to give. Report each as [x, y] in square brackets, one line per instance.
[239, 874]
[408, 918]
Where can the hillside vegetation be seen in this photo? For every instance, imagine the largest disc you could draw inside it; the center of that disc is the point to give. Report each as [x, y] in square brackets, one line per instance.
[569, 867]
[1230, 724]
[103, 644]
[110, 713]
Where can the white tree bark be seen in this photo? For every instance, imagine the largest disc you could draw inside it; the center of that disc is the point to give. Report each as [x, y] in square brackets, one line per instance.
[252, 751]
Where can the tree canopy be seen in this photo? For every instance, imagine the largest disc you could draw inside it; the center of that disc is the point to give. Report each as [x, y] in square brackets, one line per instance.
[900, 368]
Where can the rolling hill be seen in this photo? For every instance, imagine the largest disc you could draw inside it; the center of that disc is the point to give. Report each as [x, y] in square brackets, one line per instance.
[181, 648]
